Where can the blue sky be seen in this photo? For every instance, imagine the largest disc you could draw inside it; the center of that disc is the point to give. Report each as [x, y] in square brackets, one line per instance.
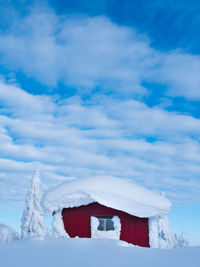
[101, 87]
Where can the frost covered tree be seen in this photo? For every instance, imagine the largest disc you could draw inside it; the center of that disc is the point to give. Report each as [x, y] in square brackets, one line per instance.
[181, 241]
[33, 224]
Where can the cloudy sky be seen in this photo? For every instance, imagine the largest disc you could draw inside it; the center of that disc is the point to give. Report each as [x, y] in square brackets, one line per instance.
[101, 87]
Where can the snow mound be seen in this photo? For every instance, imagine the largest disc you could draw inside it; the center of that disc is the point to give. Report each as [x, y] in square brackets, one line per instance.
[76, 252]
[7, 233]
[114, 192]
[58, 226]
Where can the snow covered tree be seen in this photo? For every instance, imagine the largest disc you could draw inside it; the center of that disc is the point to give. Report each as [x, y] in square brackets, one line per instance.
[33, 224]
[181, 241]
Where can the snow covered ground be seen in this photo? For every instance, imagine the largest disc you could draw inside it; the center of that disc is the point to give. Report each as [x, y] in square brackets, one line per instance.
[92, 252]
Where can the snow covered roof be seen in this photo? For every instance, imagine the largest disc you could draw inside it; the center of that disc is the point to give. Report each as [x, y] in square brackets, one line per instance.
[117, 193]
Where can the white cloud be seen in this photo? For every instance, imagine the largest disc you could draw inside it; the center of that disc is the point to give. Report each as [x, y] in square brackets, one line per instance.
[68, 137]
[94, 52]
[71, 139]
[181, 73]
[17, 100]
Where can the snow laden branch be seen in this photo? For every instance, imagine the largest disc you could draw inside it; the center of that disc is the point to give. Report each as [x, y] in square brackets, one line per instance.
[33, 224]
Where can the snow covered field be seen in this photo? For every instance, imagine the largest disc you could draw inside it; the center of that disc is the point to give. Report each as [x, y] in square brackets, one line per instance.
[92, 252]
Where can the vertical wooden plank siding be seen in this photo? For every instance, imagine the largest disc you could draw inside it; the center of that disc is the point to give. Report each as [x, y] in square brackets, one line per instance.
[133, 229]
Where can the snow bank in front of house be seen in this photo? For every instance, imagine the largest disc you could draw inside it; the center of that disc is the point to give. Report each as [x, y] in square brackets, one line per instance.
[76, 252]
[117, 193]
[58, 229]
[112, 234]
[7, 233]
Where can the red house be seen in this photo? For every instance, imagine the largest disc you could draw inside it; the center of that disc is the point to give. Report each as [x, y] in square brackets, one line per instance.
[108, 207]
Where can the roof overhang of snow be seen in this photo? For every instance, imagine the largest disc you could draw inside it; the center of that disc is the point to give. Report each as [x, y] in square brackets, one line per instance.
[113, 192]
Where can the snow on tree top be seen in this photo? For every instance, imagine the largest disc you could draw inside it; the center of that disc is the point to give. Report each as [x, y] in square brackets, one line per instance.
[117, 193]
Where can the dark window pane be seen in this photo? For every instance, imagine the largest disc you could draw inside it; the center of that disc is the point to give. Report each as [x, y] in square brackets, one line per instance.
[109, 225]
[101, 225]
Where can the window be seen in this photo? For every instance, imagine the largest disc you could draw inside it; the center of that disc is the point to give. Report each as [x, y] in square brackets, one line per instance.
[105, 223]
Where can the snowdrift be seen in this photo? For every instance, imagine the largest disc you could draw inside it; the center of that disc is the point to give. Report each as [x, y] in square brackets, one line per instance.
[92, 253]
[7, 233]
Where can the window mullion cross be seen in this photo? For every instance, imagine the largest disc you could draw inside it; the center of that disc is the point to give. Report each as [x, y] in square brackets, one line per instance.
[104, 225]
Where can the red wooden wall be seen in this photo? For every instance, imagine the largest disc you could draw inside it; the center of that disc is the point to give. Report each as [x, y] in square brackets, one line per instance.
[133, 229]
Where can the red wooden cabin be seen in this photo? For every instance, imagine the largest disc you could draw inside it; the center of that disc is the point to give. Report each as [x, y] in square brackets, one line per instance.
[108, 207]
[77, 222]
